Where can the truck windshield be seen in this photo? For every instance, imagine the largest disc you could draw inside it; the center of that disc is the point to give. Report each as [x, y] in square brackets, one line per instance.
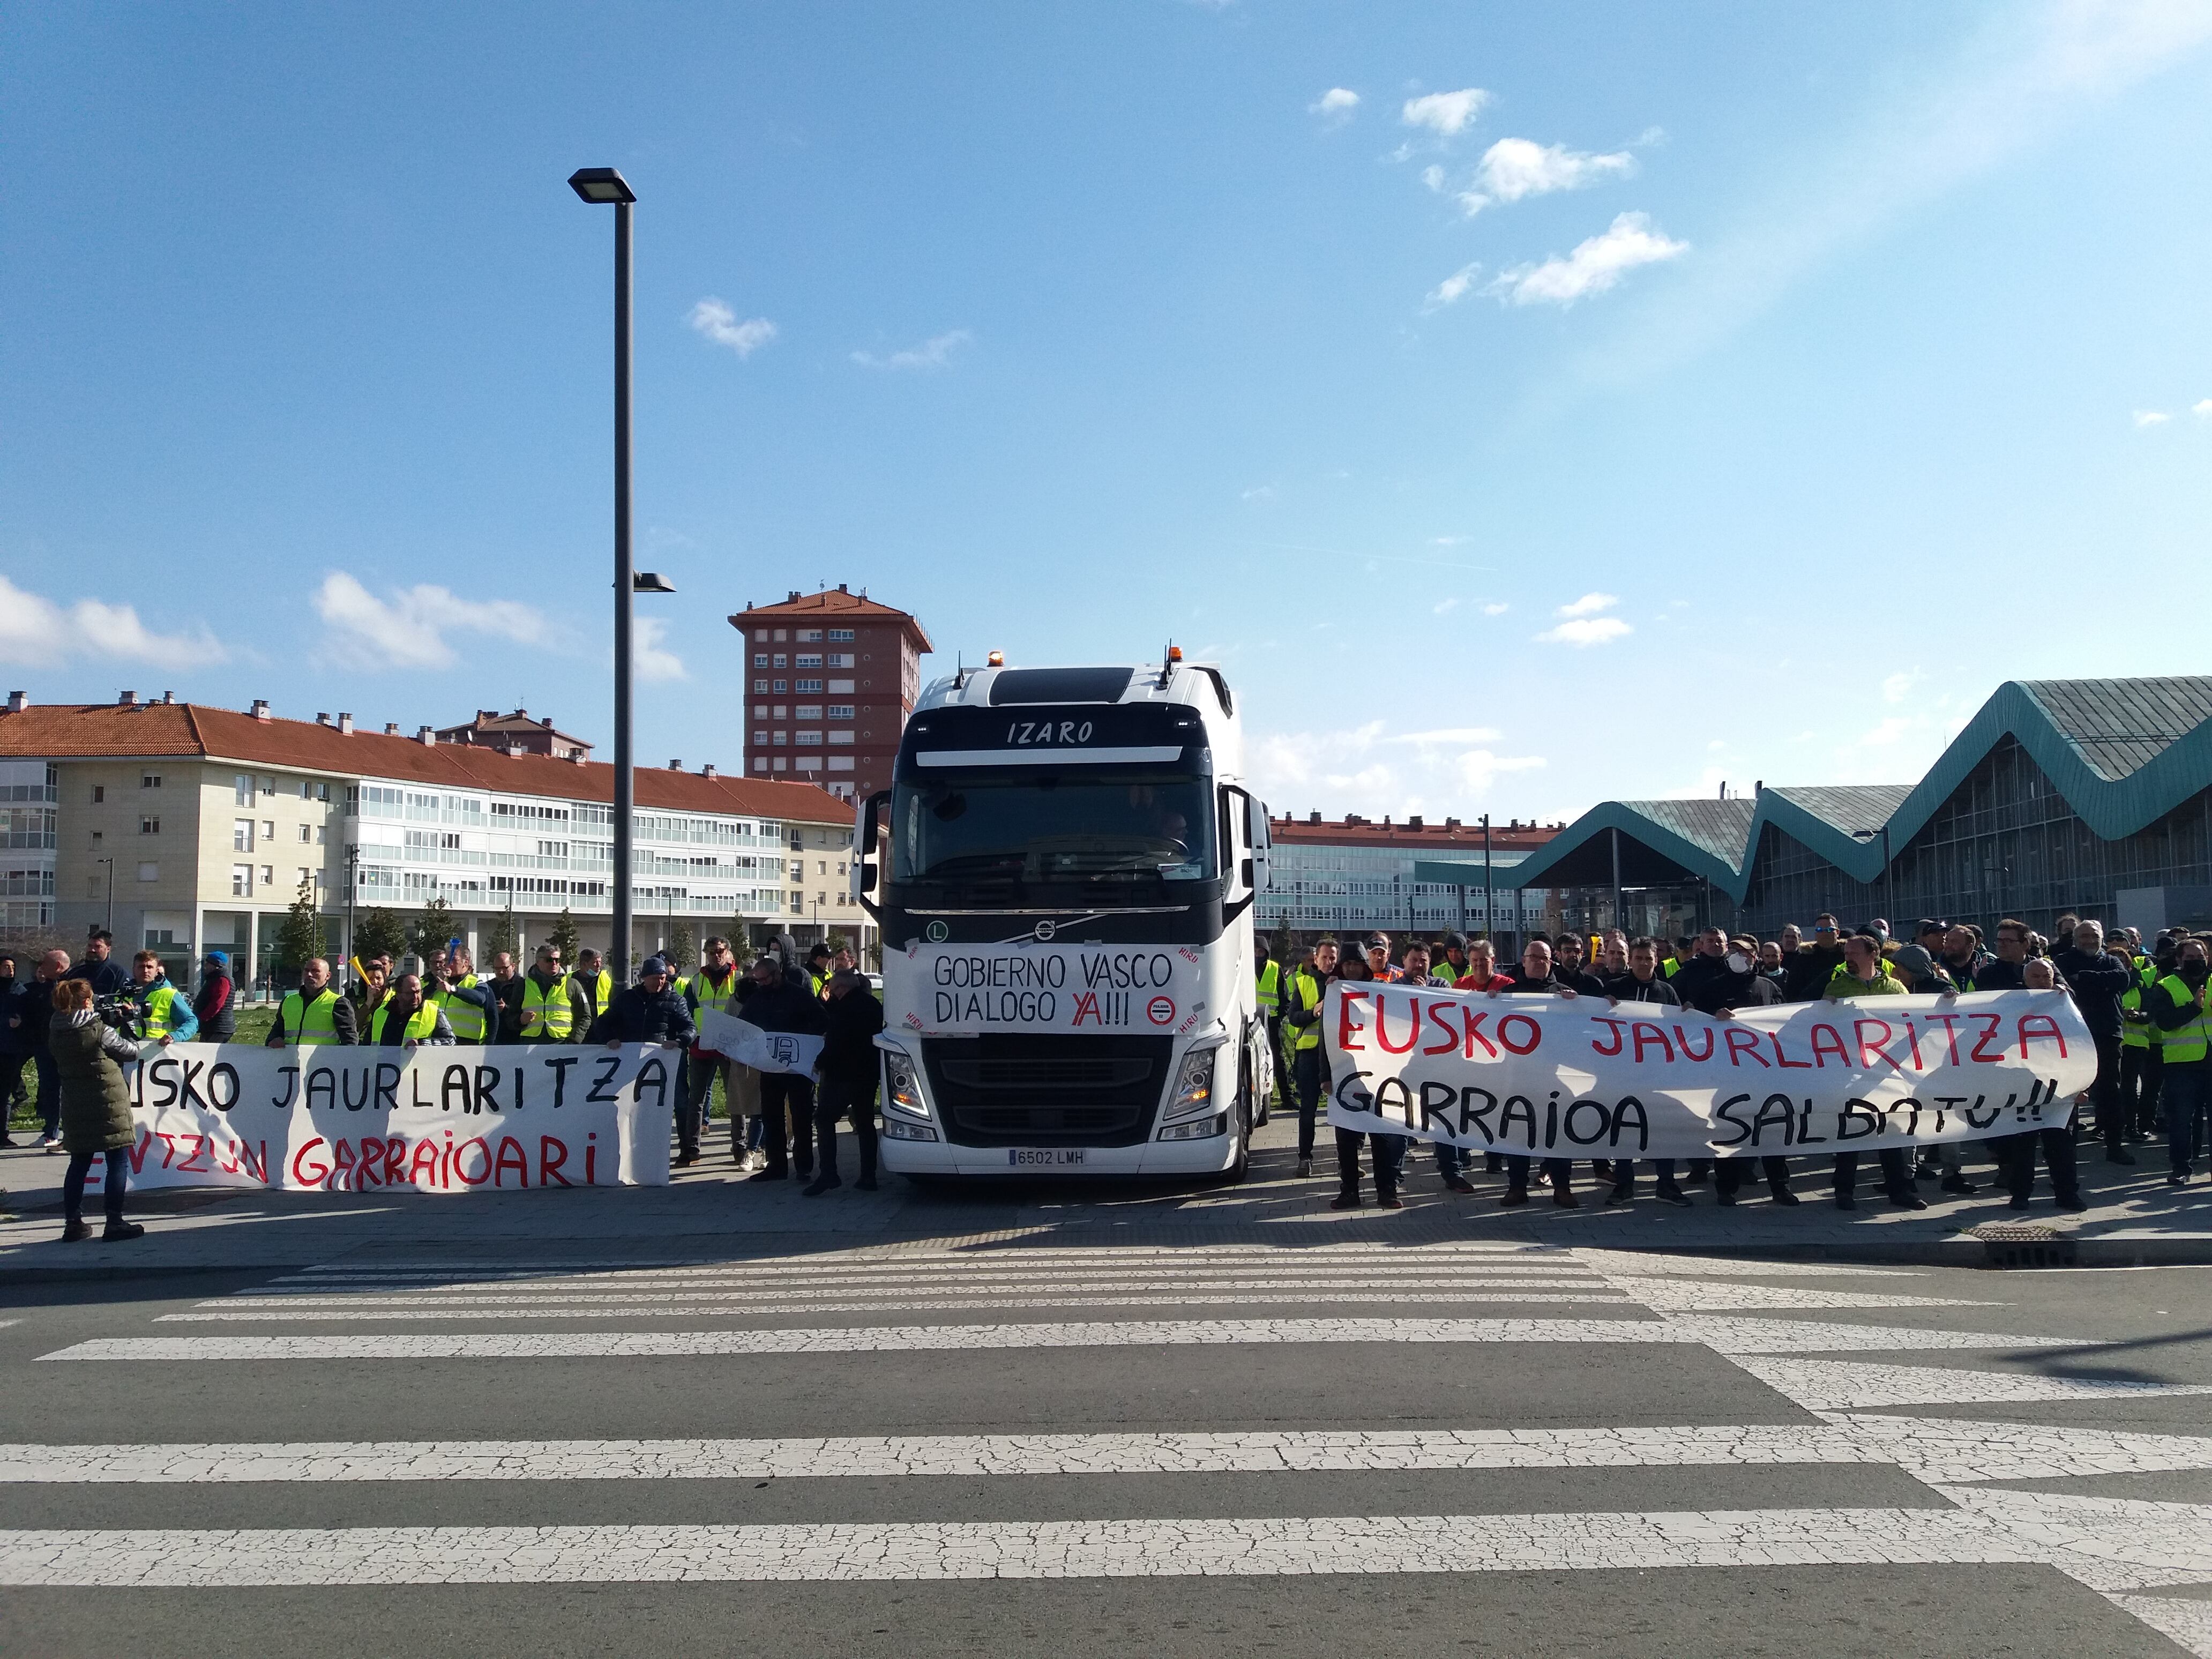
[1093, 827]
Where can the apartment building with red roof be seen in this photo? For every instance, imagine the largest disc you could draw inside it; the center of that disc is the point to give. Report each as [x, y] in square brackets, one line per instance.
[832, 677]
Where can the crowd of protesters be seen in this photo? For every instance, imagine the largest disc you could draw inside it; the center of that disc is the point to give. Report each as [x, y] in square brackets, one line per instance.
[2144, 1008]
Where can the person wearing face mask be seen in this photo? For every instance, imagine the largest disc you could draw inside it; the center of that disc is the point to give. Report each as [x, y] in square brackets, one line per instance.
[2178, 1006]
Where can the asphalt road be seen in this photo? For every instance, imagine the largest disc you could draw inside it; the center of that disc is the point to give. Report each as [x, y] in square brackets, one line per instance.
[995, 1447]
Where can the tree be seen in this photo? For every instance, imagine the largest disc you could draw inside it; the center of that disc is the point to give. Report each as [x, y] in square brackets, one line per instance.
[684, 948]
[563, 936]
[741, 942]
[500, 935]
[431, 928]
[379, 933]
[300, 937]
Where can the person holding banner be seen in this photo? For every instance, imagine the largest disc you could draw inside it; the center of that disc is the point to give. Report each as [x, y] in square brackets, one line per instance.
[314, 1014]
[1865, 976]
[849, 1071]
[95, 1109]
[779, 1004]
[713, 986]
[470, 1005]
[2015, 1154]
[1642, 983]
[1536, 979]
[1451, 1161]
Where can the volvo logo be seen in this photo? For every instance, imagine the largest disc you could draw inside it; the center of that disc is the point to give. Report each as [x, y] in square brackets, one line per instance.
[1045, 930]
[938, 933]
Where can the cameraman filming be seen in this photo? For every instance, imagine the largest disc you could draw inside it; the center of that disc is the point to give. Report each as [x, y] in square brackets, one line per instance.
[153, 1010]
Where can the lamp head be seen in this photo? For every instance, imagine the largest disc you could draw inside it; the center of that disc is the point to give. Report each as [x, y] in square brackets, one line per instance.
[600, 185]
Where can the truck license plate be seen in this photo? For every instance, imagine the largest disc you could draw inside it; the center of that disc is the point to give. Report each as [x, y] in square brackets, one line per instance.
[1046, 1157]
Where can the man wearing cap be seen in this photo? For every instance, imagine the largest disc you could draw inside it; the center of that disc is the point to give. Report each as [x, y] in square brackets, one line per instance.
[651, 1011]
[215, 1004]
[1378, 960]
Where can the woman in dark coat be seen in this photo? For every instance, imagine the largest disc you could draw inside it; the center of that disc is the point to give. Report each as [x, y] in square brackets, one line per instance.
[95, 1109]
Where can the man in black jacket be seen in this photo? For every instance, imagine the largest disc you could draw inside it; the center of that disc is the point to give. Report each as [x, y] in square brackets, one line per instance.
[778, 1005]
[2098, 982]
[1642, 983]
[1813, 965]
[849, 1070]
[109, 977]
[14, 1054]
[1567, 967]
[1536, 979]
[650, 1010]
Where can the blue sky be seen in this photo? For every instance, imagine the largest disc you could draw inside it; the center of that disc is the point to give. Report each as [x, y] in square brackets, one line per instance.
[1529, 406]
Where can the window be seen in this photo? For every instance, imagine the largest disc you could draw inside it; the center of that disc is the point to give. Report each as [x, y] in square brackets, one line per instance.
[841, 737]
[780, 763]
[799, 869]
[96, 838]
[782, 739]
[241, 881]
[322, 835]
[99, 793]
[268, 830]
[149, 872]
[810, 711]
[150, 780]
[760, 688]
[782, 660]
[836, 634]
[306, 789]
[760, 658]
[783, 686]
[840, 688]
[306, 834]
[760, 711]
[841, 763]
[782, 710]
[268, 876]
[810, 636]
[305, 875]
[242, 790]
[841, 659]
[148, 826]
[761, 634]
[760, 740]
[780, 636]
[804, 739]
[841, 711]
[822, 867]
[805, 687]
[269, 785]
[808, 659]
[241, 835]
[760, 763]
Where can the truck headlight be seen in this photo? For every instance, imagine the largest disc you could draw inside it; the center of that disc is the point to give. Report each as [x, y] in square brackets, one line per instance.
[1194, 1089]
[1202, 1128]
[901, 1090]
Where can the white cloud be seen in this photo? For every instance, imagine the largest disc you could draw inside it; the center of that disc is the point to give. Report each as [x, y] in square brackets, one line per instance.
[1586, 631]
[1444, 607]
[1257, 493]
[1898, 686]
[1338, 102]
[933, 353]
[2144, 417]
[1448, 541]
[1496, 608]
[36, 633]
[2019, 80]
[1445, 114]
[1368, 769]
[408, 630]
[1588, 605]
[2202, 409]
[649, 659]
[1513, 168]
[1433, 176]
[1452, 288]
[1595, 265]
[1892, 728]
[719, 323]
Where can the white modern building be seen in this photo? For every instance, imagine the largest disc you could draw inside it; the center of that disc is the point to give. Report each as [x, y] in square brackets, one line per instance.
[185, 827]
[1355, 876]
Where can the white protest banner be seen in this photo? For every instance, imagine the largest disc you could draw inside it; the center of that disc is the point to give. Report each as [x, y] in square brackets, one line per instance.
[360, 1120]
[747, 1045]
[1555, 1077]
[1025, 985]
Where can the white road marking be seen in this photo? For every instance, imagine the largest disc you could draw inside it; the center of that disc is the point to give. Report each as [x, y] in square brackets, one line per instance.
[2108, 1543]
[1729, 1336]
[772, 1289]
[1936, 1449]
[1667, 1295]
[1841, 1385]
[865, 1338]
[1642, 1264]
[2187, 1620]
[914, 1551]
[740, 1308]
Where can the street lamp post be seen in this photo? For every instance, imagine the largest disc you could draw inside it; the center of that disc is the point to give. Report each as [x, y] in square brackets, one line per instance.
[601, 186]
[110, 923]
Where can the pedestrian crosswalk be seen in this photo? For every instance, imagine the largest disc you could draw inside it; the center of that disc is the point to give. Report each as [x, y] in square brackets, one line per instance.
[1187, 1374]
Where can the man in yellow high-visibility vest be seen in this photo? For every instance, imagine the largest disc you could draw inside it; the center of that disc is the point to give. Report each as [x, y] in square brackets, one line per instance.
[717, 986]
[1267, 990]
[1303, 988]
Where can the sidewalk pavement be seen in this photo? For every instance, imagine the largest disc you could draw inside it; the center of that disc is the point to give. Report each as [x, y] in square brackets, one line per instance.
[710, 1212]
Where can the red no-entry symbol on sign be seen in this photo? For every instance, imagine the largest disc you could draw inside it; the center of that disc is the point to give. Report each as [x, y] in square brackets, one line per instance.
[1160, 1010]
